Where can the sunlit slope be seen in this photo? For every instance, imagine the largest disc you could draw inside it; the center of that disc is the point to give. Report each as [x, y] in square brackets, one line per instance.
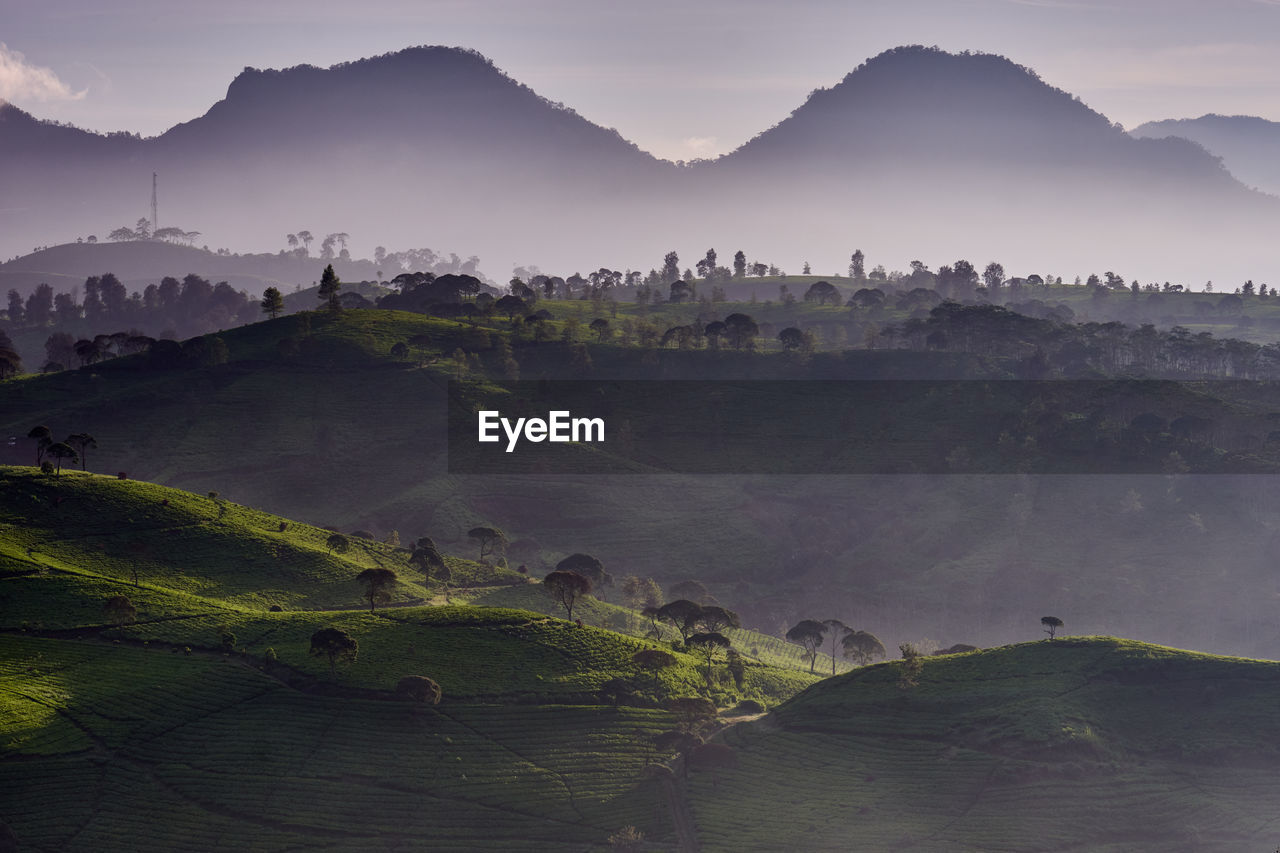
[1075, 744]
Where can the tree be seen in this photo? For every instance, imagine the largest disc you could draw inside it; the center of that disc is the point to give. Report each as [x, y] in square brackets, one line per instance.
[808, 633]
[911, 667]
[420, 689]
[601, 327]
[690, 711]
[742, 330]
[740, 264]
[329, 288]
[683, 615]
[838, 631]
[862, 646]
[61, 451]
[791, 338]
[426, 556]
[716, 620]
[43, 437]
[338, 542]
[670, 267]
[857, 267]
[653, 661]
[708, 644]
[491, 540]
[378, 584]
[82, 441]
[690, 589]
[119, 609]
[993, 276]
[587, 566]
[566, 588]
[335, 644]
[822, 292]
[1051, 625]
[272, 302]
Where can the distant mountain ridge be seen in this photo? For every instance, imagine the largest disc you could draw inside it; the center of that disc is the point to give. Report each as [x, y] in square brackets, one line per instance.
[1249, 145]
[437, 142]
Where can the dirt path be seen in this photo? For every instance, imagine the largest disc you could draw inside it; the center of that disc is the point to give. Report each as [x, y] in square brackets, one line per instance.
[681, 817]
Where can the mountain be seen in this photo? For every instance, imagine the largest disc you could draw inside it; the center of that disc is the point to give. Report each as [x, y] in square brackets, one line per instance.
[1249, 146]
[981, 157]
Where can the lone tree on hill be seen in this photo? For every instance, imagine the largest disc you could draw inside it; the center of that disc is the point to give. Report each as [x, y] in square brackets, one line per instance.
[653, 661]
[420, 689]
[82, 441]
[272, 302]
[338, 542]
[862, 646]
[491, 539]
[334, 643]
[808, 633]
[62, 451]
[378, 584]
[566, 588]
[1051, 625]
[329, 287]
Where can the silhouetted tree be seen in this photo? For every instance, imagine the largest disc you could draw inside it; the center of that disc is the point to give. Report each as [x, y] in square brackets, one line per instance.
[82, 441]
[335, 644]
[707, 644]
[838, 631]
[683, 615]
[44, 438]
[862, 646]
[272, 302]
[337, 542]
[491, 540]
[378, 584]
[587, 566]
[61, 451]
[566, 588]
[1051, 625]
[740, 264]
[808, 633]
[822, 292]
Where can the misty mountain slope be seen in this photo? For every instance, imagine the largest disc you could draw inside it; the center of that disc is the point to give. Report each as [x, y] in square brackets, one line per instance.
[1076, 744]
[437, 140]
[911, 105]
[1249, 146]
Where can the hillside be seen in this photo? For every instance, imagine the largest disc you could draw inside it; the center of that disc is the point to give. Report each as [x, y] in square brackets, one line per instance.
[341, 433]
[202, 702]
[1248, 145]
[1076, 744]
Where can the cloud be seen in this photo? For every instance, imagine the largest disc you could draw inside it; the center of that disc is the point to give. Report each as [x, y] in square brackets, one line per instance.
[21, 81]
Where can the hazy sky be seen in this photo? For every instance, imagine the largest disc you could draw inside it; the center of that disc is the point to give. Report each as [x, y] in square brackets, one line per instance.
[681, 79]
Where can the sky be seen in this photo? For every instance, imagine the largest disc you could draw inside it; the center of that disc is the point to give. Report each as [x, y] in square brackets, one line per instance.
[680, 79]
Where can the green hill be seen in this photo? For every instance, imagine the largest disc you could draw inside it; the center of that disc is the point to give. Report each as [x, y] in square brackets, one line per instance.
[200, 719]
[1083, 743]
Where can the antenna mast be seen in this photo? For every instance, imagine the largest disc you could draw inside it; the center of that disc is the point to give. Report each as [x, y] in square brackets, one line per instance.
[154, 224]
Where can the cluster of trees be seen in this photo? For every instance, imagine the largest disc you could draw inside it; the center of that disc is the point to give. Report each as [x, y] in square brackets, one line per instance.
[142, 231]
[173, 308]
[51, 454]
[1046, 346]
[861, 647]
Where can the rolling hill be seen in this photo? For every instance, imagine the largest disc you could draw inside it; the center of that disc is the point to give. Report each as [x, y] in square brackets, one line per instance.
[1082, 743]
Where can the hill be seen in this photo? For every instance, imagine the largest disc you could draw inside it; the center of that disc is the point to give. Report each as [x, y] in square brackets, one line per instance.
[313, 418]
[1083, 743]
[200, 700]
[1246, 144]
